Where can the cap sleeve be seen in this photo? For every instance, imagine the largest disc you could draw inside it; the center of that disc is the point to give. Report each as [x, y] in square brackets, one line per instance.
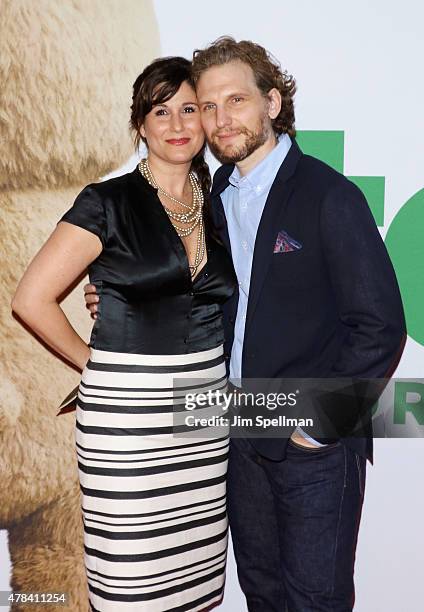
[88, 212]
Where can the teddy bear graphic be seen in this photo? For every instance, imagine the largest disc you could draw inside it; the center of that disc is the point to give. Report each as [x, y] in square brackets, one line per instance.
[66, 71]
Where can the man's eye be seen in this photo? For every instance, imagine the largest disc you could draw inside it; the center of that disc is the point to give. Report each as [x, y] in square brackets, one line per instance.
[208, 107]
[237, 99]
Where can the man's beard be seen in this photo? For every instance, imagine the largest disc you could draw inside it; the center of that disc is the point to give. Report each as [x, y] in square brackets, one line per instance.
[254, 140]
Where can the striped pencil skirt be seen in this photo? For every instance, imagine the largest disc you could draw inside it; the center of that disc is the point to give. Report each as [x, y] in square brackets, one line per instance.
[153, 488]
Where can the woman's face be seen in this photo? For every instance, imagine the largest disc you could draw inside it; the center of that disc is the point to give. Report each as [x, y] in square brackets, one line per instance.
[173, 130]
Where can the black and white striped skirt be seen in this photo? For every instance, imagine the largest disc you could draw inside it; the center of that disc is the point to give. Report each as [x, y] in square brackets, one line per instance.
[153, 489]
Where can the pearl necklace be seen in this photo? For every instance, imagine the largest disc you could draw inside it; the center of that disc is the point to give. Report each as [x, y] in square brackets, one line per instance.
[191, 219]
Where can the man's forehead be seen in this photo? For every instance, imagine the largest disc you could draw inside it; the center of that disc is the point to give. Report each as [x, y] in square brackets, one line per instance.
[224, 77]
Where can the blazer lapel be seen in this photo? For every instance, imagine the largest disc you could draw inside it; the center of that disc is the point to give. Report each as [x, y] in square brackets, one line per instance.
[269, 225]
[221, 226]
[220, 183]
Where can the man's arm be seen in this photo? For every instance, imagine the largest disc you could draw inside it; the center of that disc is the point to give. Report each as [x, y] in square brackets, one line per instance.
[365, 286]
[370, 308]
[91, 299]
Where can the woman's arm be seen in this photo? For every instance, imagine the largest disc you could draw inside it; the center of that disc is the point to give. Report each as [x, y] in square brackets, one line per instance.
[62, 259]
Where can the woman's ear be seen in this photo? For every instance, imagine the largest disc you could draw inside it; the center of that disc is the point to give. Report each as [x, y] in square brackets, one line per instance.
[142, 131]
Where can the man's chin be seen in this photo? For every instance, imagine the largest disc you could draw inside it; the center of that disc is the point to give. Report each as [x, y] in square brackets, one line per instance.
[228, 155]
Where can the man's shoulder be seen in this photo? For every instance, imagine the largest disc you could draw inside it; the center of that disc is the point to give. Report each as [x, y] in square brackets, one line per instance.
[322, 180]
[320, 172]
[319, 182]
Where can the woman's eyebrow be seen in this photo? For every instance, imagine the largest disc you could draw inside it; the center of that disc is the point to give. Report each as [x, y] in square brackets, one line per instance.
[182, 104]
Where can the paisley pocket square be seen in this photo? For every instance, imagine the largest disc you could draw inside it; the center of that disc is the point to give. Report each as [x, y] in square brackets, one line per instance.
[285, 243]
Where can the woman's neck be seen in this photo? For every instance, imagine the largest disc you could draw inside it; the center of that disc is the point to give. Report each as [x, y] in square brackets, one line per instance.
[173, 178]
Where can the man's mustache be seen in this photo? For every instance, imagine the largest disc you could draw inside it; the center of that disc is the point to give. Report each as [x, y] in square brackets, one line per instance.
[219, 133]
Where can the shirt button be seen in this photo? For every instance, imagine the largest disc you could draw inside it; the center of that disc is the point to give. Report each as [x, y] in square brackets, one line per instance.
[244, 245]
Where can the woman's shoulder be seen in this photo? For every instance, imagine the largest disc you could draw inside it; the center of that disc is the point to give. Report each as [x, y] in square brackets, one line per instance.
[120, 189]
[111, 186]
[98, 205]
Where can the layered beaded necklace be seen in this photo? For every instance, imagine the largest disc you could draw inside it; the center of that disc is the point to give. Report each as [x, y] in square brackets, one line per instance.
[183, 222]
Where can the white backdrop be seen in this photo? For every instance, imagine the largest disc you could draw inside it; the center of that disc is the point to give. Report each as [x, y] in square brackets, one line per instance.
[358, 67]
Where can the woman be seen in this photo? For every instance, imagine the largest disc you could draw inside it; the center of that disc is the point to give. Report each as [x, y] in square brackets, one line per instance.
[153, 487]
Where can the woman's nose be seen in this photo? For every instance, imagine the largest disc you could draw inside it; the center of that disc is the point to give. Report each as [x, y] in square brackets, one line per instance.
[177, 123]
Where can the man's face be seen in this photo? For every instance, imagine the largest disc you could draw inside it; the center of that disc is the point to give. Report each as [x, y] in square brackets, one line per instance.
[234, 113]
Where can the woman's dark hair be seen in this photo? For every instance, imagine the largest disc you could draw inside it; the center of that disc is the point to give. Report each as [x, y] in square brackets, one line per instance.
[158, 82]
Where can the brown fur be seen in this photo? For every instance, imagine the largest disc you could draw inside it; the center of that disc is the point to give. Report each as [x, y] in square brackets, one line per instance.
[66, 70]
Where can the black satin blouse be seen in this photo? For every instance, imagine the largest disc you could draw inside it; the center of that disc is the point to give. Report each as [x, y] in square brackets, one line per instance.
[148, 301]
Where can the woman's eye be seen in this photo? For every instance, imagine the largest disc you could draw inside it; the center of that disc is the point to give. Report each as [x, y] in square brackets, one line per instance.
[160, 111]
[189, 109]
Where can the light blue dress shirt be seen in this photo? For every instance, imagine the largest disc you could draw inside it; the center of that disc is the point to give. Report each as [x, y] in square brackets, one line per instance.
[244, 201]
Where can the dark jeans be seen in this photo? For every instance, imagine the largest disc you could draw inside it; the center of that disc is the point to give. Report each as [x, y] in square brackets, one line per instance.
[294, 525]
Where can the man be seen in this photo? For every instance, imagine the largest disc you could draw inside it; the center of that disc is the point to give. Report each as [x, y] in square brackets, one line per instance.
[317, 298]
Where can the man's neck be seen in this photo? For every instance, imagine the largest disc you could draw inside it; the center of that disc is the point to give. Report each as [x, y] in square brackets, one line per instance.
[246, 165]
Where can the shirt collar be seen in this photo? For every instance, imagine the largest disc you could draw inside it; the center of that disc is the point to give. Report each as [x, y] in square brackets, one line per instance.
[264, 173]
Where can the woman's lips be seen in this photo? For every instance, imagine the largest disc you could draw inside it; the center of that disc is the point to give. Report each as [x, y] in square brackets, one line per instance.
[178, 141]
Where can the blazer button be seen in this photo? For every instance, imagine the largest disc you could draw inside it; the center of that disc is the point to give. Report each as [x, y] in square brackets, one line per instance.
[185, 340]
[191, 293]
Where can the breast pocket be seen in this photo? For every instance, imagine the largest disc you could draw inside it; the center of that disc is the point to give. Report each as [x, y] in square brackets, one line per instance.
[295, 269]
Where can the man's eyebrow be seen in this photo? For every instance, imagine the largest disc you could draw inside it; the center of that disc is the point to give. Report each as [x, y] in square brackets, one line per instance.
[238, 93]
[233, 94]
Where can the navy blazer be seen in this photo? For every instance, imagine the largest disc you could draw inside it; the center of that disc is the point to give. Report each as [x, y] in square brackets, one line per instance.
[328, 310]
